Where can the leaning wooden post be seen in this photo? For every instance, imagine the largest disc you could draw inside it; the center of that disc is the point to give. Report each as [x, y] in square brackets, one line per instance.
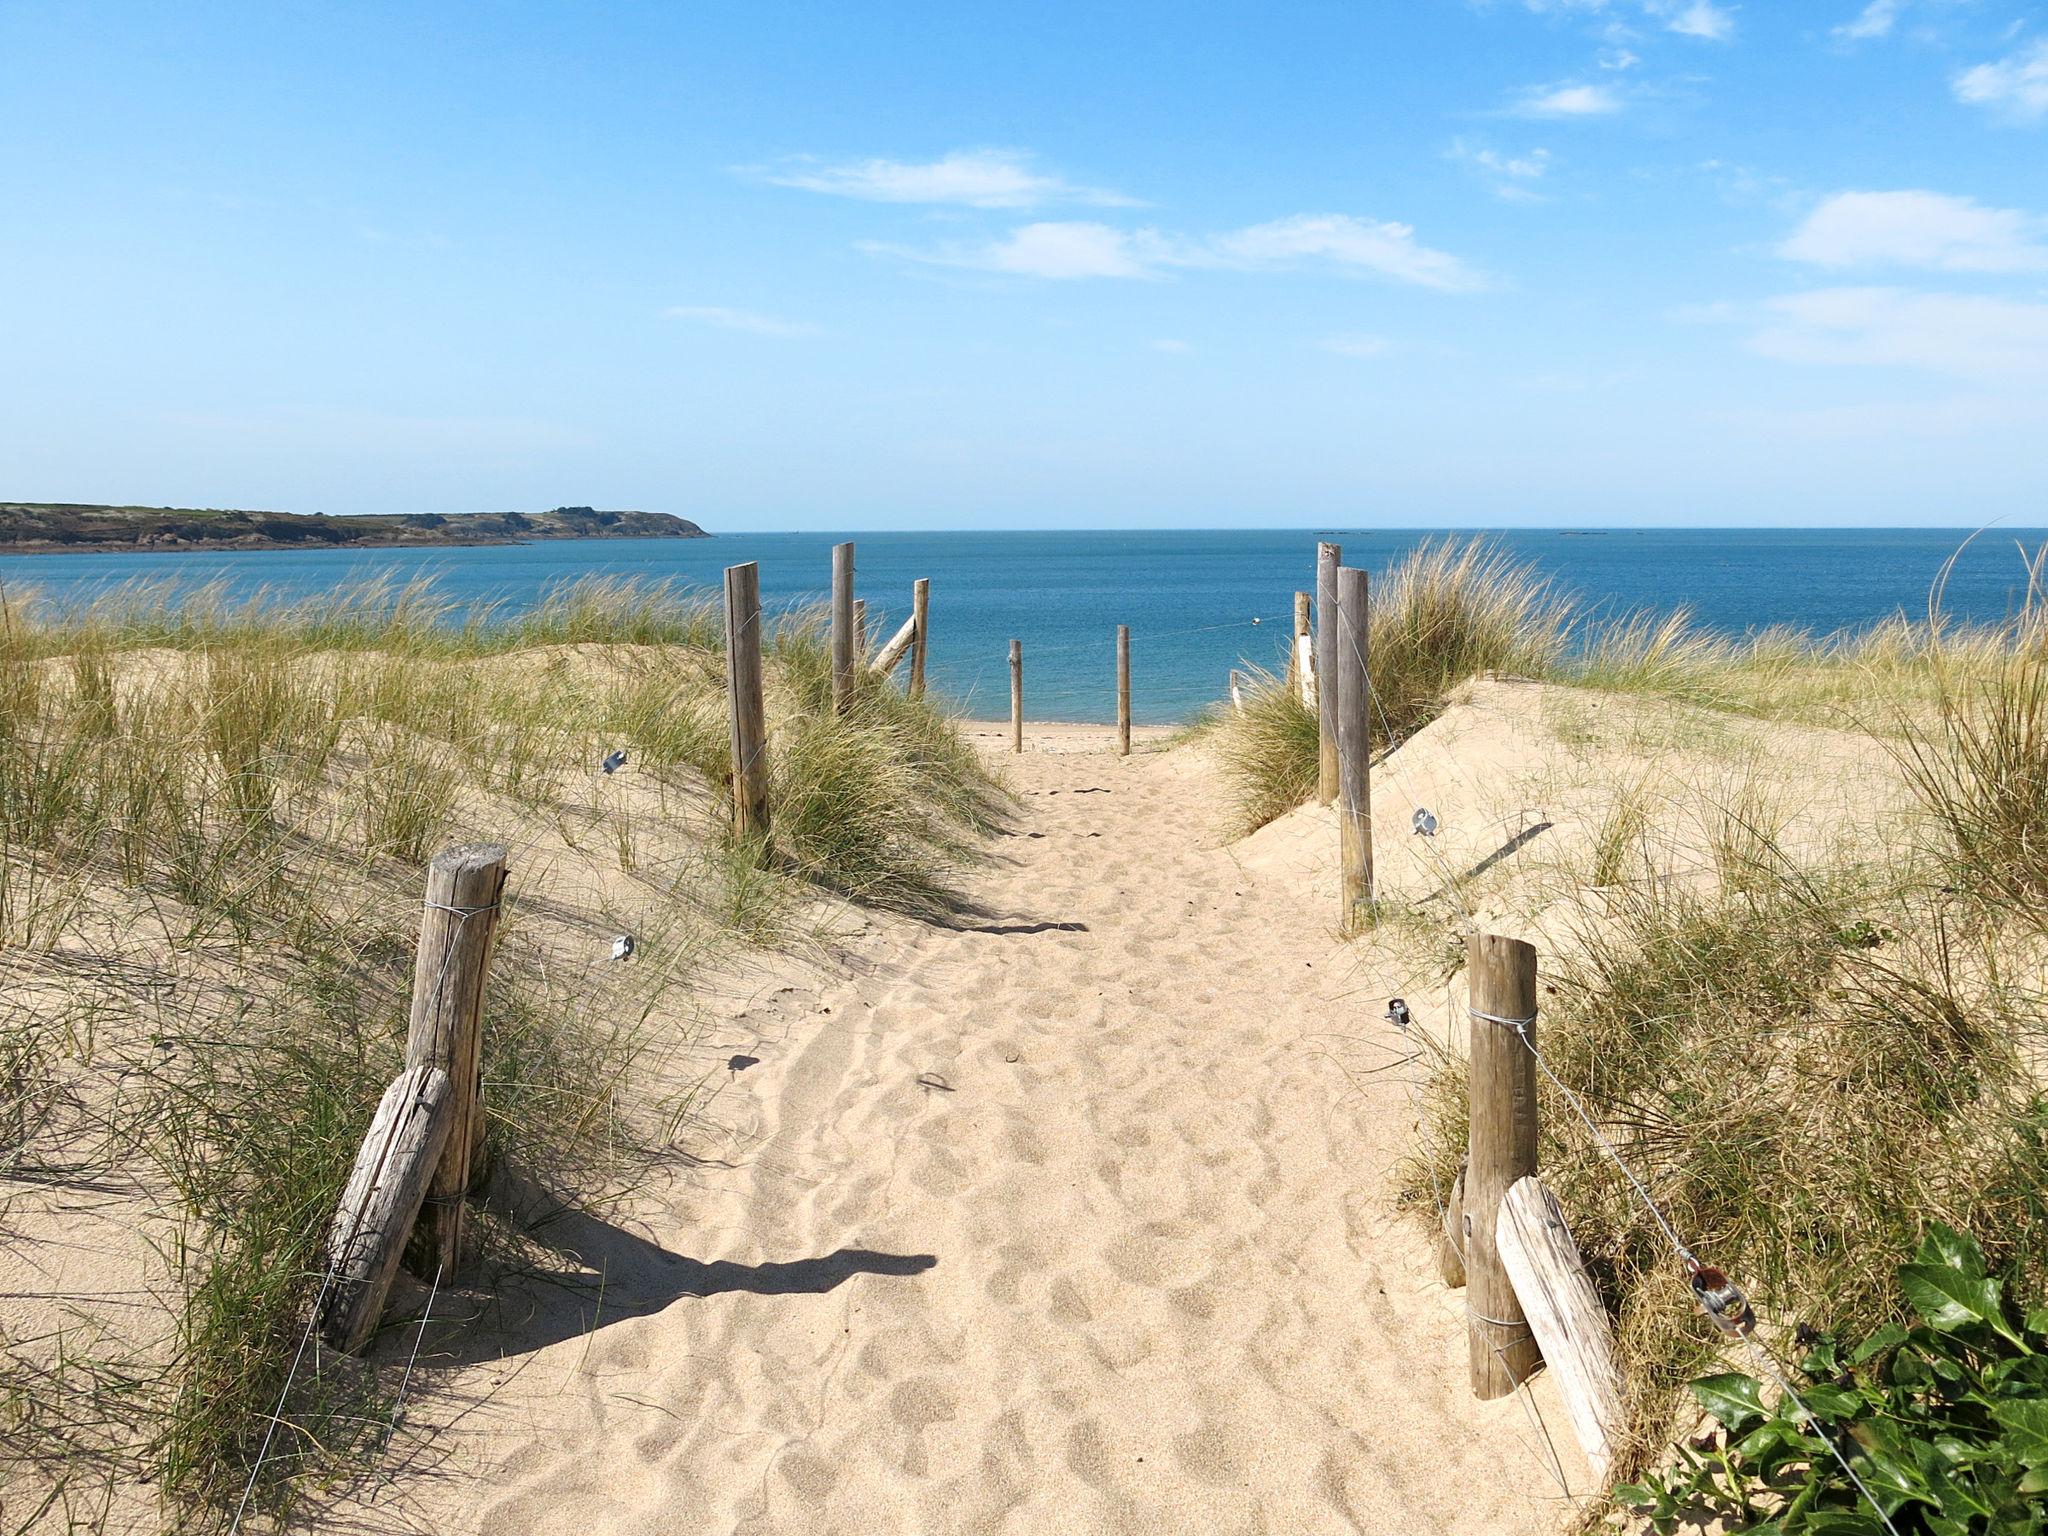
[1328, 558]
[1016, 695]
[1354, 752]
[920, 608]
[744, 696]
[407, 1140]
[860, 631]
[842, 627]
[463, 886]
[1501, 1077]
[1123, 690]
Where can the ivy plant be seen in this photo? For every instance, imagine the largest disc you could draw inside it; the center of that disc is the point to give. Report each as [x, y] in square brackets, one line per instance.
[1945, 1423]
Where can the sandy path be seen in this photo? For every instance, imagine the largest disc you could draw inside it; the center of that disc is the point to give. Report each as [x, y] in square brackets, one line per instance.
[1059, 1221]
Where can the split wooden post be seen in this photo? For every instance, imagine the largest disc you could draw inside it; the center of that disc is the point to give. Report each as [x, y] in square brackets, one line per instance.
[1328, 558]
[1123, 690]
[406, 1142]
[897, 648]
[456, 928]
[1016, 695]
[1501, 1075]
[1354, 752]
[860, 631]
[920, 610]
[1565, 1315]
[842, 628]
[744, 695]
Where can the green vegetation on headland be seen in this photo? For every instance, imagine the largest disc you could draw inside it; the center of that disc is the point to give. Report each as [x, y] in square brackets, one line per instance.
[32, 527]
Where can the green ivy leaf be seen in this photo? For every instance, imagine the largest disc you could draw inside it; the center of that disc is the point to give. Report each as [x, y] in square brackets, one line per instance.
[2026, 1430]
[1736, 1400]
[1949, 1299]
[1947, 1248]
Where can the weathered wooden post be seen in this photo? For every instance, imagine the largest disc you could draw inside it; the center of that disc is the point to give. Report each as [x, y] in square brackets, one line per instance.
[860, 631]
[1328, 558]
[407, 1140]
[1300, 662]
[1565, 1315]
[1501, 1074]
[1354, 751]
[1123, 690]
[744, 695]
[445, 1032]
[920, 609]
[842, 627]
[1016, 695]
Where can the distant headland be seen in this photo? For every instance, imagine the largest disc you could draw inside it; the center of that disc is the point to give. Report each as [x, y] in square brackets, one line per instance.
[42, 527]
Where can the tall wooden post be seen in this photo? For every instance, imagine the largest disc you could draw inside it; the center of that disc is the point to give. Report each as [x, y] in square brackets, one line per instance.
[1016, 695]
[920, 609]
[1123, 690]
[860, 631]
[1298, 669]
[842, 627]
[1328, 558]
[1502, 1083]
[744, 697]
[1354, 751]
[461, 915]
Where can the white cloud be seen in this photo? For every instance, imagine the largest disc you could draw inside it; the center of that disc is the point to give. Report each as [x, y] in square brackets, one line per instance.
[2016, 86]
[1172, 346]
[1356, 346]
[1360, 244]
[1061, 250]
[1874, 20]
[1618, 59]
[1917, 229]
[971, 178]
[724, 319]
[1961, 334]
[1700, 18]
[1567, 101]
[1509, 175]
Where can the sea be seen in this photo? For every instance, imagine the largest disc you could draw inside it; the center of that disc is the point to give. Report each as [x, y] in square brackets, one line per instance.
[1199, 603]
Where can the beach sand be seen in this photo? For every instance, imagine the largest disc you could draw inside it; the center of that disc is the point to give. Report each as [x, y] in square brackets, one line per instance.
[1075, 1214]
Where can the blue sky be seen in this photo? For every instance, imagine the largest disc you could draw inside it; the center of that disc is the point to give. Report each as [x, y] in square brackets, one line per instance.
[1406, 263]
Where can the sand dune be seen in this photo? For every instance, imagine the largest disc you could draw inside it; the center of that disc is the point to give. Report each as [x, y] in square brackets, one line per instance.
[1074, 1215]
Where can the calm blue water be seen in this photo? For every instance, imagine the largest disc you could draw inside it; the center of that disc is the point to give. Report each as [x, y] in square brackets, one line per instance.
[1188, 597]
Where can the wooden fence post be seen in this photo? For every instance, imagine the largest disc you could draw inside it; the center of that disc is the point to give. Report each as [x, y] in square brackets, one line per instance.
[1565, 1314]
[1328, 558]
[407, 1140]
[1501, 1074]
[445, 1031]
[1300, 660]
[920, 609]
[860, 631]
[1354, 751]
[842, 627]
[1016, 695]
[744, 695]
[1123, 690]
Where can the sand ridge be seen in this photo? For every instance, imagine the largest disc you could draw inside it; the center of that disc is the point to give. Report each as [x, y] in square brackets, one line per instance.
[1055, 1218]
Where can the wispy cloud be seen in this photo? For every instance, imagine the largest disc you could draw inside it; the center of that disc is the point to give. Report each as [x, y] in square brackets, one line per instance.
[1702, 19]
[1566, 101]
[1697, 18]
[1067, 250]
[1172, 346]
[968, 178]
[1510, 176]
[2015, 86]
[1965, 335]
[1875, 20]
[1918, 229]
[1356, 345]
[721, 318]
